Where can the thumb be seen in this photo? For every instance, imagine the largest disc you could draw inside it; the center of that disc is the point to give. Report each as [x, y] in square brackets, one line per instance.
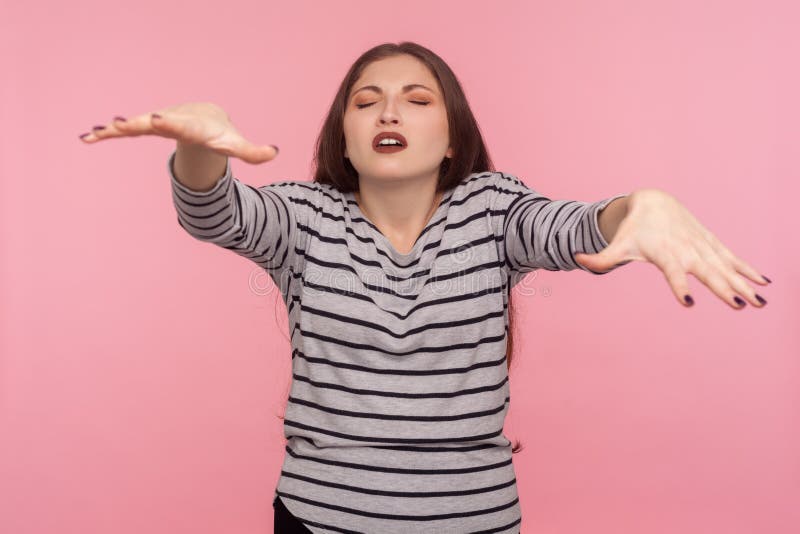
[604, 260]
[258, 154]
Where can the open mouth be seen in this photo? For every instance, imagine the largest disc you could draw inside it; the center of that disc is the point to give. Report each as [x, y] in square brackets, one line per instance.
[389, 149]
[389, 142]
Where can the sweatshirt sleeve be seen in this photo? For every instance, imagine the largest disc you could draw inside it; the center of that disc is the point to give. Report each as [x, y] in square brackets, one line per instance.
[267, 225]
[538, 232]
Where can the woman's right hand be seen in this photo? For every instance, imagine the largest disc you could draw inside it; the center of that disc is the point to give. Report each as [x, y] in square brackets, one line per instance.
[194, 123]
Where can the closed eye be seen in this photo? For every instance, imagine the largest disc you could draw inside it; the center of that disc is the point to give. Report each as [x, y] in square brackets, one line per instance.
[361, 106]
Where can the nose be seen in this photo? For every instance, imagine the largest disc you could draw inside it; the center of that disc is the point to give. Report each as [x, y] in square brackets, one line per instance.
[388, 115]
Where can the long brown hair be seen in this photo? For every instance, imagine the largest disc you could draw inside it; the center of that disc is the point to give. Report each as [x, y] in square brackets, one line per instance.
[469, 150]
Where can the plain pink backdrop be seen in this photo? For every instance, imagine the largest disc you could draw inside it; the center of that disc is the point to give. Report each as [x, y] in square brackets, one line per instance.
[142, 371]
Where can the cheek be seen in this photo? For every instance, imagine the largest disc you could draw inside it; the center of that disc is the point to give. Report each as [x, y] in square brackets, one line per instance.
[438, 125]
[350, 135]
[353, 130]
[436, 135]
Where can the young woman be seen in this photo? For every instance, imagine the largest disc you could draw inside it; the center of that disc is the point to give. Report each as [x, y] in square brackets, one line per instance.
[396, 264]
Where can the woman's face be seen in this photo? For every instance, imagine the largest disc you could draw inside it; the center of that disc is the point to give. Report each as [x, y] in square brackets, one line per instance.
[419, 114]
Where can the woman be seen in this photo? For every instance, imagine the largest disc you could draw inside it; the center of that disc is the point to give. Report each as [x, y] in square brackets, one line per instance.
[396, 264]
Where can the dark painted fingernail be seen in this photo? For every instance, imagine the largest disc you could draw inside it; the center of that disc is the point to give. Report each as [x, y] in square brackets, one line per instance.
[689, 300]
[760, 299]
[156, 116]
[118, 118]
[99, 128]
[84, 135]
[276, 149]
[739, 301]
[765, 278]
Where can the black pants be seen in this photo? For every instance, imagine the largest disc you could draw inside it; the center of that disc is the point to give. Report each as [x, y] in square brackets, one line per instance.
[285, 522]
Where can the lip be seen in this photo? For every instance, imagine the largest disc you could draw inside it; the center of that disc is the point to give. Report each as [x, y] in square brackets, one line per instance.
[389, 135]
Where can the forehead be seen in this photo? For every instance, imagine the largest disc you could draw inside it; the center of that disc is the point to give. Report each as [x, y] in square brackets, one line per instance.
[396, 72]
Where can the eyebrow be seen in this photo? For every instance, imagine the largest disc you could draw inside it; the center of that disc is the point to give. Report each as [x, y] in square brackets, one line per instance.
[406, 88]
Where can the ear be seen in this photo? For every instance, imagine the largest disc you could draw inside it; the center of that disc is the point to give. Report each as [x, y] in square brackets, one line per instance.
[449, 152]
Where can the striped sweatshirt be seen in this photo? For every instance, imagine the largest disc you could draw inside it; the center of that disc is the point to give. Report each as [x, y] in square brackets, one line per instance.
[394, 422]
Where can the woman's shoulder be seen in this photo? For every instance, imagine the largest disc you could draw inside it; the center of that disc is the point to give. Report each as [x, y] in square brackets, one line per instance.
[310, 192]
[504, 183]
[489, 178]
[490, 184]
[298, 186]
[496, 189]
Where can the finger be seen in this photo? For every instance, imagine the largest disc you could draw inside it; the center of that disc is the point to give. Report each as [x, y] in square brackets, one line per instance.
[747, 270]
[102, 131]
[711, 274]
[610, 257]
[744, 289]
[676, 278]
[165, 124]
[738, 264]
[257, 153]
[734, 267]
[120, 127]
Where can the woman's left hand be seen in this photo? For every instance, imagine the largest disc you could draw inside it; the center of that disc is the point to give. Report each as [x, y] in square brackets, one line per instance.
[660, 230]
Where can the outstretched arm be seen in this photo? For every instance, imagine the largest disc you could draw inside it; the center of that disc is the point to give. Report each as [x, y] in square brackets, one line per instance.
[267, 225]
[651, 225]
[541, 233]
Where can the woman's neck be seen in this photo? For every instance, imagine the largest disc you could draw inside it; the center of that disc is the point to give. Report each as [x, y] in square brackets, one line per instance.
[400, 213]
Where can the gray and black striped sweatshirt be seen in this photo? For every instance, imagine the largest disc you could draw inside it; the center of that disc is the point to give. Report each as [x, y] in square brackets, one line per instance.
[399, 380]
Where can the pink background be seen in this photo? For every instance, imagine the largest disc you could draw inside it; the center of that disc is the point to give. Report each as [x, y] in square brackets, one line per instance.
[142, 371]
